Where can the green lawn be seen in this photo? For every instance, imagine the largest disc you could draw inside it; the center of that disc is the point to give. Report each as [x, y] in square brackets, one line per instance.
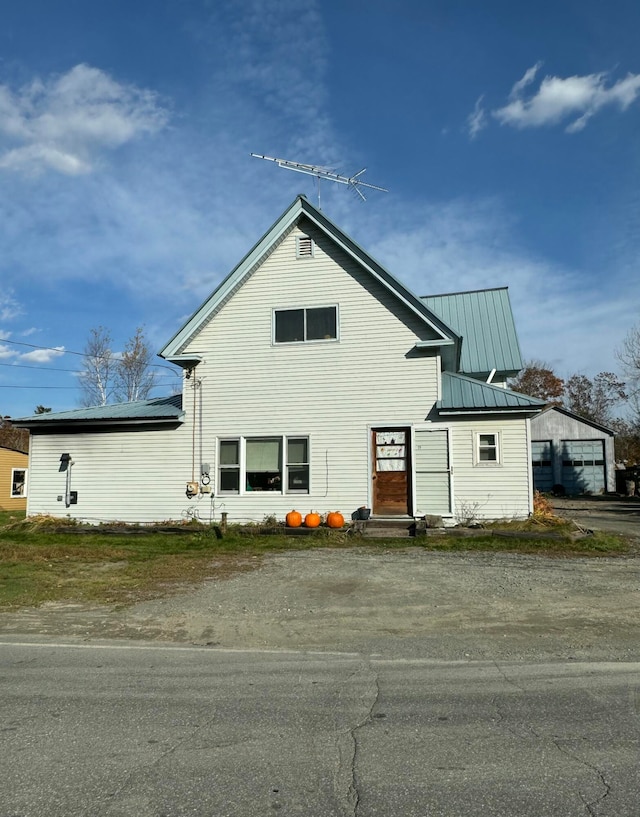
[41, 561]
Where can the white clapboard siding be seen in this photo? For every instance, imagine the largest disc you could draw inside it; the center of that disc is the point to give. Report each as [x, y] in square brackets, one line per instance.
[133, 476]
[488, 491]
[330, 391]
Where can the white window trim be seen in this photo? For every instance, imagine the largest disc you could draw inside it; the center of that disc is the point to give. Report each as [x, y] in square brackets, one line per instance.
[242, 456]
[303, 342]
[476, 449]
[26, 483]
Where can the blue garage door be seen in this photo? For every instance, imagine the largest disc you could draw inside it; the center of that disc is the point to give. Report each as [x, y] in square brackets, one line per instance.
[541, 462]
[583, 466]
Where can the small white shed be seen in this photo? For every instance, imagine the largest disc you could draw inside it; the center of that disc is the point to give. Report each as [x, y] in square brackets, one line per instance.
[569, 450]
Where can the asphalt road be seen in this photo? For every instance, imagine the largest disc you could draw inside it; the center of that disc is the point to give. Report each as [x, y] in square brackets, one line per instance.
[346, 683]
[137, 729]
[602, 512]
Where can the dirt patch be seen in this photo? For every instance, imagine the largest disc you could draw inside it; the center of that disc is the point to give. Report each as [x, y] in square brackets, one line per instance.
[411, 603]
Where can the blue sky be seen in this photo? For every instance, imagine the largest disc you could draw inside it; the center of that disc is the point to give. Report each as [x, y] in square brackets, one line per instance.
[507, 135]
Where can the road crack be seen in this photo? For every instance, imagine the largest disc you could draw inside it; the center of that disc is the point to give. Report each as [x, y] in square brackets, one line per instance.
[188, 736]
[589, 805]
[349, 746]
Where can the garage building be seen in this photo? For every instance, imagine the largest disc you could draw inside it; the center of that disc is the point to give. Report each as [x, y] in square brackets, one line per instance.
[569, 450]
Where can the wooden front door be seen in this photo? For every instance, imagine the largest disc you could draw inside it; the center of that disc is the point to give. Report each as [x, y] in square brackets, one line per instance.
[391, 455]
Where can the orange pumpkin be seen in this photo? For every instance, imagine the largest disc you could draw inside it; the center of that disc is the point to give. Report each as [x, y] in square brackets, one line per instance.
[312, 520]
[335, 520]
[294, 519]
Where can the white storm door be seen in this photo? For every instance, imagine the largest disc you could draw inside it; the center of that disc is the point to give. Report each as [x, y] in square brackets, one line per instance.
[433, 472]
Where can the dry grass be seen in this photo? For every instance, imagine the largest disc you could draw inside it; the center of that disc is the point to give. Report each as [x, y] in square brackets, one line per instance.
[40, 561]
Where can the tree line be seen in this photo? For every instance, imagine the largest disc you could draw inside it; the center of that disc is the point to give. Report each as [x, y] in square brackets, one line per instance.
[599, 398]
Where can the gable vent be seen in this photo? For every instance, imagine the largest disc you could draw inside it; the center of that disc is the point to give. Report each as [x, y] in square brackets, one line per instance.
[304, 247]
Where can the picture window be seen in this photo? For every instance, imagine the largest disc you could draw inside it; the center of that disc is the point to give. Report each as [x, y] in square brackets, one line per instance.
[276, 464]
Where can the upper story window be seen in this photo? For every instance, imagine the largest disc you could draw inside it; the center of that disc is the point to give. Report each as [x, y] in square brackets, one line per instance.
[304, 246]
[300, 325]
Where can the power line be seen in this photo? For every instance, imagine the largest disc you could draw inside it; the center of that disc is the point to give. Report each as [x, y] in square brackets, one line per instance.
[68, 352]
[47, 348]
[55, 369]
[8, 386]
[40, 368]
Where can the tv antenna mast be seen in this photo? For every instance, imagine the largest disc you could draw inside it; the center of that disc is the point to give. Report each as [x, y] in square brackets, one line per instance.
[353, 182]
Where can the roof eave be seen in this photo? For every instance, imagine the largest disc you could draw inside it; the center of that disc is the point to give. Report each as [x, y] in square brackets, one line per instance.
[120, 421]
[299, 208]
[496, 410]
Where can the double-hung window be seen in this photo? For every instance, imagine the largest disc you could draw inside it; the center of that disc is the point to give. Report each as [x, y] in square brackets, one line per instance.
[305, 324]
[487, 448]
[274, 463]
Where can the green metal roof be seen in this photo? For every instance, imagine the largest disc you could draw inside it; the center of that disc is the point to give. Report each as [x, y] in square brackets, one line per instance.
[158, 410]
[485, 321]
[461, 394]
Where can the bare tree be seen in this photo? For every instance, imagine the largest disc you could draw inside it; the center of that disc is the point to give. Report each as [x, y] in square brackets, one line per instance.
[629, 357]
[594, 399]
[133, 378]
[107, 376]
[627, 441]
[98, 369]
[537, 379]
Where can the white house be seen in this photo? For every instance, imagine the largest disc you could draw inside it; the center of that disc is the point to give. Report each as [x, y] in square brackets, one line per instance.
[313, 379]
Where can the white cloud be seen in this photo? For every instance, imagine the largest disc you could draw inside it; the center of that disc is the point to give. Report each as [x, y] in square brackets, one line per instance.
[6, 352]
[464, 245]
[62, 122]
[42, 355]
[477, 120]
[9, 307]
[558, 99]
[527, 79]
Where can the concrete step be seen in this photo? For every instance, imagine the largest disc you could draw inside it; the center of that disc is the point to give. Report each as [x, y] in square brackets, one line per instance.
[386, 527]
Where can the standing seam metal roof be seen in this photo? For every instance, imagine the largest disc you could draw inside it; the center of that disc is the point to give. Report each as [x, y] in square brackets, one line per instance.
[485, 321]
[157, 409]
[460, 393]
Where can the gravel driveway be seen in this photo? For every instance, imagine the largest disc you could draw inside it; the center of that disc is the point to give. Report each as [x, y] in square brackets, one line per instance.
[407, 603]
[411, 603]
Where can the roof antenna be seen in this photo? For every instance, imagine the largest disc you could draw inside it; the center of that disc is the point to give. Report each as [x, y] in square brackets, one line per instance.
[353, 182]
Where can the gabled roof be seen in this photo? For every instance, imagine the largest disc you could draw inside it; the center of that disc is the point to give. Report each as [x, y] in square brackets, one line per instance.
[464, 395]
[158, 410]
[484, 320]
[299, 209]
[578, 417]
